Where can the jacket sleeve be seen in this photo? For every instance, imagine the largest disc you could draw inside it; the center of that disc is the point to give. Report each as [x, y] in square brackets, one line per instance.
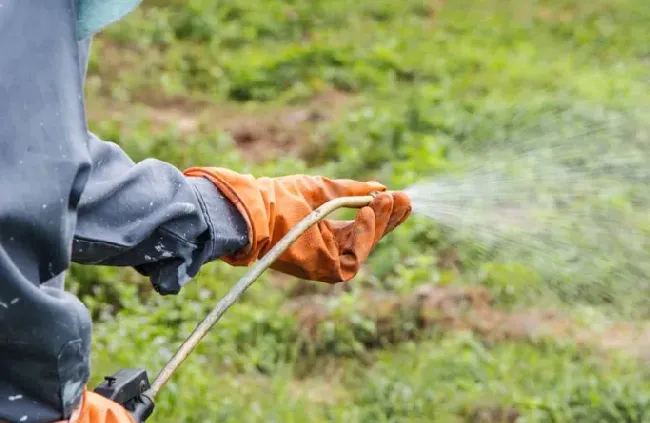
[150, 216]
[54, 205]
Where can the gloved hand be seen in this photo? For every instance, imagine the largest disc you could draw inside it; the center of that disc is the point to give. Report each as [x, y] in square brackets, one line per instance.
[331, 251]
[95, 408]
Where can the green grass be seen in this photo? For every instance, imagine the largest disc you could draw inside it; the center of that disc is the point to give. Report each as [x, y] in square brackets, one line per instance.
[426, 77]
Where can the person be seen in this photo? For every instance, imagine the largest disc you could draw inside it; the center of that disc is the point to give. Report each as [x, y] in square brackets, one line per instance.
[68, 196]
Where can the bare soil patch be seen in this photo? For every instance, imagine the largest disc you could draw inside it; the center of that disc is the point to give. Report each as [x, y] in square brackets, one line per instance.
[398, 318]
[261, 133]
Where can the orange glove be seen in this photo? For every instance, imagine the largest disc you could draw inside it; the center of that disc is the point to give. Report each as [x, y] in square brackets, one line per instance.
[330, 251]
[98, 409]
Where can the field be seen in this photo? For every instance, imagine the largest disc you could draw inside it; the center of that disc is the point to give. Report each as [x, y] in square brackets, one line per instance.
[379, 90]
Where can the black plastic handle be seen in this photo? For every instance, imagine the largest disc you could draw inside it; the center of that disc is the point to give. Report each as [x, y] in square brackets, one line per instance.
[127, 388]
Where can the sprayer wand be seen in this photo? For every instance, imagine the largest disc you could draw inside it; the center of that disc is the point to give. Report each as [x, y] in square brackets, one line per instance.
[131, 387]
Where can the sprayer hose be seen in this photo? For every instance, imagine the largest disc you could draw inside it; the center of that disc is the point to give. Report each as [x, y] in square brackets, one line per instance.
[247, 280]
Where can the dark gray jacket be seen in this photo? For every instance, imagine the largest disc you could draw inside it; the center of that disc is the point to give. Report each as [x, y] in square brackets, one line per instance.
[66, 195]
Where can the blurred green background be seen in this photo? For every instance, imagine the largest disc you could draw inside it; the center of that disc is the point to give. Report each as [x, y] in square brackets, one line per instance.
[376, 89]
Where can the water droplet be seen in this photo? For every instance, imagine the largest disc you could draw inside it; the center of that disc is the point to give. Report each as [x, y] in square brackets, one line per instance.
[569, 203]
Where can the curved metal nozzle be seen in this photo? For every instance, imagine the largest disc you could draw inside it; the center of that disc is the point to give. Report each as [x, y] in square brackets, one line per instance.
[247, 280]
